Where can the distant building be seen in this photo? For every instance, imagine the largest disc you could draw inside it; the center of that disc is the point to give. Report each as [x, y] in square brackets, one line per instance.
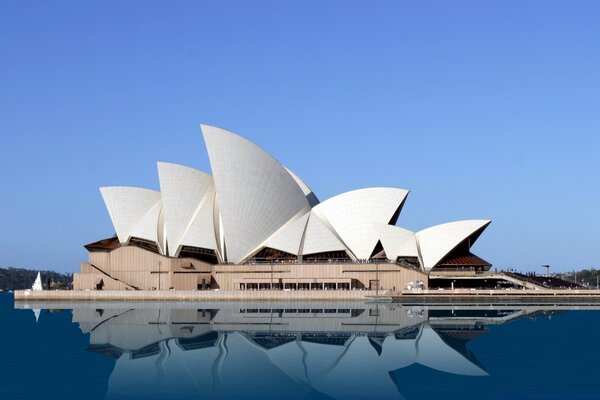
[254, 224]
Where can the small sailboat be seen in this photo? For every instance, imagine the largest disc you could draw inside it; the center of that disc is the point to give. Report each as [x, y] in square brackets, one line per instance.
[37, 285]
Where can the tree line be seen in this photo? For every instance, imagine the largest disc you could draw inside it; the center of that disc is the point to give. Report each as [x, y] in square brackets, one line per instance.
[21, 278]
[586, 277]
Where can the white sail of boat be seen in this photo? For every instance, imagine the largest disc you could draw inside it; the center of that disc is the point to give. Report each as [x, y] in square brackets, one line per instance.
[37, 285]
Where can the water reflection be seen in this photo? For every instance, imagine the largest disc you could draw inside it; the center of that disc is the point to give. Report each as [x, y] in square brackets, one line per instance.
[274, 350]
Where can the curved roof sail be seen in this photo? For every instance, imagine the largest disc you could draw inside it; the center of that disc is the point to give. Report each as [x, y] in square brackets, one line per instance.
[318, 238]
[256, 194]
[201, 230]
[186, 193]
[288, 239]
[352, 214]
[252, 201]
[396, 241]
[133, 211]
[436, 242]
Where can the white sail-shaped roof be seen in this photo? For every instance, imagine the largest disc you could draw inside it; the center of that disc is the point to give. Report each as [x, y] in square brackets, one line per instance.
[184, 192]
[201, 232]
[436, 242]
[288, 238]
[318, 238]
[132, 211]
[147, 227]
[397, 242]
[256, 194]
[352, 215]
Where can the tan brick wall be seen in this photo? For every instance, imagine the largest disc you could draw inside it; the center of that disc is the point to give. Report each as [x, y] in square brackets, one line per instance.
[151, 271]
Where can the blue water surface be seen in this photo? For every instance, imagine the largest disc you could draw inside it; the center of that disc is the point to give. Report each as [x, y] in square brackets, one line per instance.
[47, 359]
[297, 350]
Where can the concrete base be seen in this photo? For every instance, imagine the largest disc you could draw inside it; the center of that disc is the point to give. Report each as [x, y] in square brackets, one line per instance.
[446, 296]
[189, 295]
[489, 296]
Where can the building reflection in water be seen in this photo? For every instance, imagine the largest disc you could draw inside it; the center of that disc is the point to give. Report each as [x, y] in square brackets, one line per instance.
[270, 350]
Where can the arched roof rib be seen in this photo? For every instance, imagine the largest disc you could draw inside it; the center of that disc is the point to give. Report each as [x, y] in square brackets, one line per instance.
[133, 211]
[187, 196]
[436, 242]
[351, 216]
[256, 194]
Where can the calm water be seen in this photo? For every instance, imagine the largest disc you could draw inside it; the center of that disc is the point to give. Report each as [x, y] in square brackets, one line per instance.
[297, 350]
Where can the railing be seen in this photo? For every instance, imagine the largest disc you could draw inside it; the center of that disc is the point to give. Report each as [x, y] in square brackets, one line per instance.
[321, 261]
[461, 272]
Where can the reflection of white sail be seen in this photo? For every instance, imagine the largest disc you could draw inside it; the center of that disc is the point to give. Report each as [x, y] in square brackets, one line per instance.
[36, 313]
[304, 361]
[170, 372]
[398, 354]
[357, 373]
[37, 285]
[260, 374]
[334, 350]
[434, 353]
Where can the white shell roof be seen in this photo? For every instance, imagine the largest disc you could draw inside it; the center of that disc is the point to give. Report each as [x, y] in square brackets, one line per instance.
[253, 201]
[318, 238]
[352, 215]
[436, 242]
[289, 237]
[183, 190]
[201, 232]
[133, 211]
[147, 226]
[256, 194]
[397, 242]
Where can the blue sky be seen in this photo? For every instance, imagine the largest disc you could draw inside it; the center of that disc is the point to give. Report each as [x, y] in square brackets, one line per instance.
[481, 109]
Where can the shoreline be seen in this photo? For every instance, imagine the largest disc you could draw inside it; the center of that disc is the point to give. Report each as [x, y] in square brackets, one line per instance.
[410, 296]
[188, 295]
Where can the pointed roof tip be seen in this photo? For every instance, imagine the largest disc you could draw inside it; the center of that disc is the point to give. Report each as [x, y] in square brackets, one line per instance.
[482, 222]
[106, 190]
[212, 129]
[168, 164]
[212, 132]
[213, 135]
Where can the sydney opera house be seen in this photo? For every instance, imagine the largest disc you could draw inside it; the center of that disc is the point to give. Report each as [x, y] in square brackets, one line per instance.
[255, 225]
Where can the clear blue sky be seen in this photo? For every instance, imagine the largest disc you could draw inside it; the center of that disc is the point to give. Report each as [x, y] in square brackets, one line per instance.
[481, 109]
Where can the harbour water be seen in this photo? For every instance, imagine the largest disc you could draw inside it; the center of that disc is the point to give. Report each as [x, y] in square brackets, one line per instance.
[297, 350]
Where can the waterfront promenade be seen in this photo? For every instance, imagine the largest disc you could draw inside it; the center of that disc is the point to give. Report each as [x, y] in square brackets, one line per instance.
[192, 295]
[446, 296]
